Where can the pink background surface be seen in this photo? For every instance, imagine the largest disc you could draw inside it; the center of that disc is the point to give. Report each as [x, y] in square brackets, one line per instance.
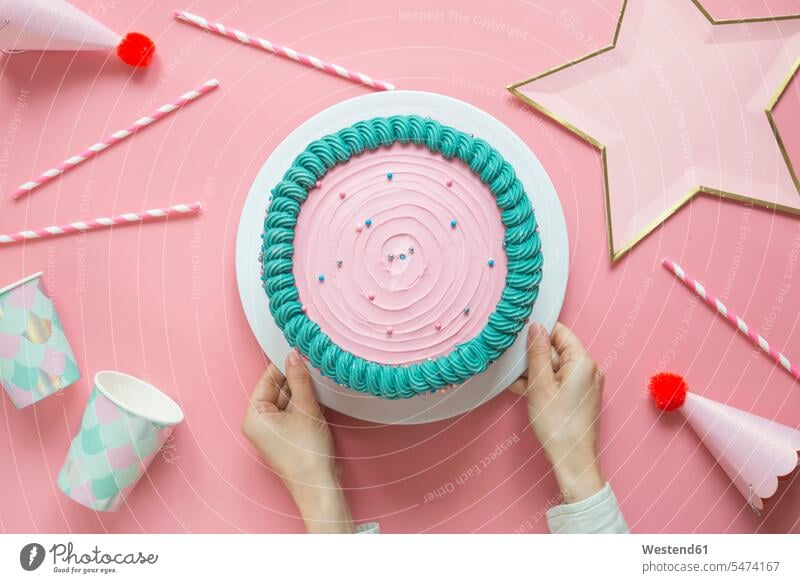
[161, 302]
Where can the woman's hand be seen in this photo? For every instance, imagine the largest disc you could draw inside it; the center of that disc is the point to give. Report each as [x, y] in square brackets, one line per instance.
[564, 407]
[285, 423]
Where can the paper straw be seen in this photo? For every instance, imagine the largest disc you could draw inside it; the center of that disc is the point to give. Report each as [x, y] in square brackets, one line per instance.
[117, 136]
[247, 39]
[740, 324]
[103, 222]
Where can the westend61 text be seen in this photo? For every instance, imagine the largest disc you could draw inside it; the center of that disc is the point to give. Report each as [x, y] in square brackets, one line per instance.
[673, 550]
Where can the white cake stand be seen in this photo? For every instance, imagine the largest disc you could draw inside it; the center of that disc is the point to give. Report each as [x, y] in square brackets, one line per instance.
[467, 118]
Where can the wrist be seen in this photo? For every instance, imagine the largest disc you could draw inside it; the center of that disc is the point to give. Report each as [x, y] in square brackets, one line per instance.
[578, 477]
[323, 506]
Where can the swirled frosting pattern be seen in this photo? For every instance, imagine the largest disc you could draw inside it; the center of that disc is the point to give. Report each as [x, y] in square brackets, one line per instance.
[377, 345]
[410, 273]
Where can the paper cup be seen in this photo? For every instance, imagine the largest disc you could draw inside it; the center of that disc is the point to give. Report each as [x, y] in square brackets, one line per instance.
[35, 357]
[125, 423]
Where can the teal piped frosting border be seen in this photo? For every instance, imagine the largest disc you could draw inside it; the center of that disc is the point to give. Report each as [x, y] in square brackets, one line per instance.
[522, 246]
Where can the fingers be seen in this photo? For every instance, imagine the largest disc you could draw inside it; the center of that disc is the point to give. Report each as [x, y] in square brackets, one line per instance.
[555, 359]
[268, 386]
[300, 385]
[540, 364]
[574, 358]
[284, 396]
[519, 386]
[567, 345]
[262, 400]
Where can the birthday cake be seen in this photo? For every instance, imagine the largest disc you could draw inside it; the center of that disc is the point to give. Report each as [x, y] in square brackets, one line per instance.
[400, 256]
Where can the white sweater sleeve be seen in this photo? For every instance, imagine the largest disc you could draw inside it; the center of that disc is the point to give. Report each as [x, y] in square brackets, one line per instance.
[597, 514]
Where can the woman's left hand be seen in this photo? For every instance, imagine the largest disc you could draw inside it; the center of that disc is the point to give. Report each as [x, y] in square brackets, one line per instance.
[285, 423]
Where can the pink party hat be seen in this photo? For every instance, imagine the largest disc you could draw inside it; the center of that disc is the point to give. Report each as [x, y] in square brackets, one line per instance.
[56, 25]
[755, 452]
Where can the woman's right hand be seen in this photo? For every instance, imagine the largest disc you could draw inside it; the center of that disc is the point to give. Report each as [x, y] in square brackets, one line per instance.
[564, 398]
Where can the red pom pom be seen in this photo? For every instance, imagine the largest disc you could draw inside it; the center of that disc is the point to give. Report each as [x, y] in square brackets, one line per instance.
[668, 390]
[136, 50]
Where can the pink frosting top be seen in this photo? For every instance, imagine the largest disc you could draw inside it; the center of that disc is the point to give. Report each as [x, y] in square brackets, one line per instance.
[437, 291]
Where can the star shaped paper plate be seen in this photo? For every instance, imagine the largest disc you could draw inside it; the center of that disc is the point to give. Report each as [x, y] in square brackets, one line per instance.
[409, 238]
[678, 104]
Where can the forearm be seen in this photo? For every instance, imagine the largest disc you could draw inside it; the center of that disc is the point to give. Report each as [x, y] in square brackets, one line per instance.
[578, 476]
[324, 508]
[589, 504]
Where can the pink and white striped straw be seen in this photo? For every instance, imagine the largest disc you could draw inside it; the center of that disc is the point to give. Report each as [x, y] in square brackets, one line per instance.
[740, 324]
[117, 136]
[103, 222]
[247, 39]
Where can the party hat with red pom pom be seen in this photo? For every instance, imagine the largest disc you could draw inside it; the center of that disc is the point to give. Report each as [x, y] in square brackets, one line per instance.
[755, 452]
[56, 25]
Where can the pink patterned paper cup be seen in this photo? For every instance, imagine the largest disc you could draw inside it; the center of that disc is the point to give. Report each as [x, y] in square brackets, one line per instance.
[36, 359]
[125, 423]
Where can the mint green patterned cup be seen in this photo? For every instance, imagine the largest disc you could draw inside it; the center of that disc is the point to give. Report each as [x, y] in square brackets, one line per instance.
[36, 359]
[125, 423]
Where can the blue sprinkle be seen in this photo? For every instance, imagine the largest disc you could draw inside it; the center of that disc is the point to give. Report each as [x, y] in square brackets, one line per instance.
[402, 257]
[390, 176]
[453, 224]
[491, 262]
[368, 222]
[321, 277]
